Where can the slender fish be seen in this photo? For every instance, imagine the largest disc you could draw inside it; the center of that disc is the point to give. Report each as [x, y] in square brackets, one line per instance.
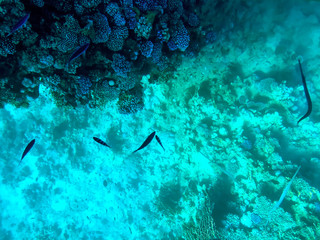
[19, 24]
[27, 149]
[98, 140]
[158, 140]
[284, 193]
[81, 50]
[146, 142]
[306, 92]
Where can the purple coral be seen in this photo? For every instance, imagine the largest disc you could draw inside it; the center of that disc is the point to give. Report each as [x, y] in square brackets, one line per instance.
[101, 28]
[127, 83]
[84, 84]
[146, 48]
[6, 47]
[157, 52]
[180, 38]
[117, 37]
[110, 91]
[120, 65]
[90, 3]
[171, 45]
[163, 63]
[211, 36]
[112, 9]
[193, 20]
[176, 10]
[119, 20]
[106, 24]
[148, 5]
[127, 3]
[144, 5]
[131, 18]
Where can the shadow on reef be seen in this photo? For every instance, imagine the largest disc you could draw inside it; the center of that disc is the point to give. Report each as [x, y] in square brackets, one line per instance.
[224, 201]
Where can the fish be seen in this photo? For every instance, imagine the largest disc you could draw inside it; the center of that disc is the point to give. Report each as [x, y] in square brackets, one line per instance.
[146, 142]
[19, 24]
[98, 140]
[158, 140]
[27, 149]
[306, 92]
[285, 191]
[81, 50]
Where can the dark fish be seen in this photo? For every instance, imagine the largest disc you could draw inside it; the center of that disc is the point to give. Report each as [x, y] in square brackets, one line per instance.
[19, 24]
[98, 140]
[146, 142]
[158, 140]
[306, 92]
[27, 149]
[81, 50]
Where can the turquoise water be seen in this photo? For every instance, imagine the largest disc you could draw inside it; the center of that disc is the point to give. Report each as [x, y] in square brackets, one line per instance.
[227, 119]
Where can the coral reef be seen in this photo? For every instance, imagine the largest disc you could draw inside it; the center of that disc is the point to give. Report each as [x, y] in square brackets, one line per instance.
[217, 81]
[133, 29]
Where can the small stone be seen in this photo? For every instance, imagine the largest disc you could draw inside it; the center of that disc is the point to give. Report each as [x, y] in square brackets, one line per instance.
[111, 83]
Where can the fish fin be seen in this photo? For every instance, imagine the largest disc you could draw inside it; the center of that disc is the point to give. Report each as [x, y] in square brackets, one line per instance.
[159, 141]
